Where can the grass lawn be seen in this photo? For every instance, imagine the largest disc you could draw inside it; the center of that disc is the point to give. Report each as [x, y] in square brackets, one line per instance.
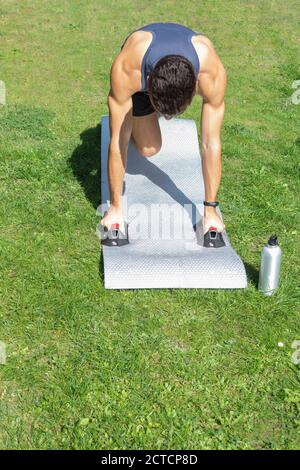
[89, 368]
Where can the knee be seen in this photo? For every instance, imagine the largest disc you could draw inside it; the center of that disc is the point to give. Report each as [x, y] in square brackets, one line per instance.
[150, 151]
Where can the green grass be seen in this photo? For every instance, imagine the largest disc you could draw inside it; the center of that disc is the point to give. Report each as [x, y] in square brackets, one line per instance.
[89, 368]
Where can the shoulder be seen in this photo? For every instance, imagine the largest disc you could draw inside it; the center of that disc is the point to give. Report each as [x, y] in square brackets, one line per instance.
[126, 66]
[212, 76]
[210, 61]
[135, 39]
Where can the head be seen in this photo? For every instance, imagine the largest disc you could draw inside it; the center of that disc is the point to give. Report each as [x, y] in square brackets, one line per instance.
[172, 85]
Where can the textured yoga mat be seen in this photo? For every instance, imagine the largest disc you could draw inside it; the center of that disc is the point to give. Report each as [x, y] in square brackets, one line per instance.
[163, 198]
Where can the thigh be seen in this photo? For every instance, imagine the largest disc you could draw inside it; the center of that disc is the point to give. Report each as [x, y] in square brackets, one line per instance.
[145, 128]
[141, 104]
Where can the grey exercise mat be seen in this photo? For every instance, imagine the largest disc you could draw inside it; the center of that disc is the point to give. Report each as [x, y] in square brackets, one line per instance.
[163, 198]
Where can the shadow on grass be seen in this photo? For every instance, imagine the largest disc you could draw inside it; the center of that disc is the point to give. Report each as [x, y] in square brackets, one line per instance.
[101, 268]
[252, 274]
[85, 164]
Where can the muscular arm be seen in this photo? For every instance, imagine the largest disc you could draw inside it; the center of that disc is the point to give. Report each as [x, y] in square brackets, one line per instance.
[119, 102]
[211, 120]
[212, 86]
[120, 123]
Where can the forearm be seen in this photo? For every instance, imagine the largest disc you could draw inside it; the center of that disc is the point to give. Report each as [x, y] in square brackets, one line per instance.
[212, 87]
[211, 168]
[116, 172]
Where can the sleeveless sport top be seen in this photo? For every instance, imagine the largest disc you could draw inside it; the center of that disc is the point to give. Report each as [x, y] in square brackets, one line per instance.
[167, 38]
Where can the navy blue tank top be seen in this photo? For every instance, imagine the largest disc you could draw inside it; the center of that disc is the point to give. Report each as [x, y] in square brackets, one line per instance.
[167, 38]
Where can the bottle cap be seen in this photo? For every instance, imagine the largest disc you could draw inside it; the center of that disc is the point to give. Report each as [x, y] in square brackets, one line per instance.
[273, 240]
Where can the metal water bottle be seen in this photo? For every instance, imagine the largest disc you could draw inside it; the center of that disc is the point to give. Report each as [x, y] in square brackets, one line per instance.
[269, 266]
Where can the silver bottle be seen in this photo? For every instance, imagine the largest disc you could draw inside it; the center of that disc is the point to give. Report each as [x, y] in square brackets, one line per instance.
[269, 266]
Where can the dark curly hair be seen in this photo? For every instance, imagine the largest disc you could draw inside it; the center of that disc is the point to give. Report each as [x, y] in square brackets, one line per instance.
[172, 84]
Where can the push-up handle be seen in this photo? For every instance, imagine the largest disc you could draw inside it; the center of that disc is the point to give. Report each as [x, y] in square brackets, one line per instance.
[213, 238]
[114, 236]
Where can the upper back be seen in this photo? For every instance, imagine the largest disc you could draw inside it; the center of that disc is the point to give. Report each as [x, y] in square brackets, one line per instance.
[129, 62]
[167, 39]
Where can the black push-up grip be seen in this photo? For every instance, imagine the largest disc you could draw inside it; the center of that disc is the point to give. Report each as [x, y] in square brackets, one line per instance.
[213, 238]
[114, 236]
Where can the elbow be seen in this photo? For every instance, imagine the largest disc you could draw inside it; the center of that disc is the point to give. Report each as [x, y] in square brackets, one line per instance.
[210, 145]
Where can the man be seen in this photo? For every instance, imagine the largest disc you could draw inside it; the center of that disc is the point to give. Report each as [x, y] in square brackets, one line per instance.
[159, 70]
